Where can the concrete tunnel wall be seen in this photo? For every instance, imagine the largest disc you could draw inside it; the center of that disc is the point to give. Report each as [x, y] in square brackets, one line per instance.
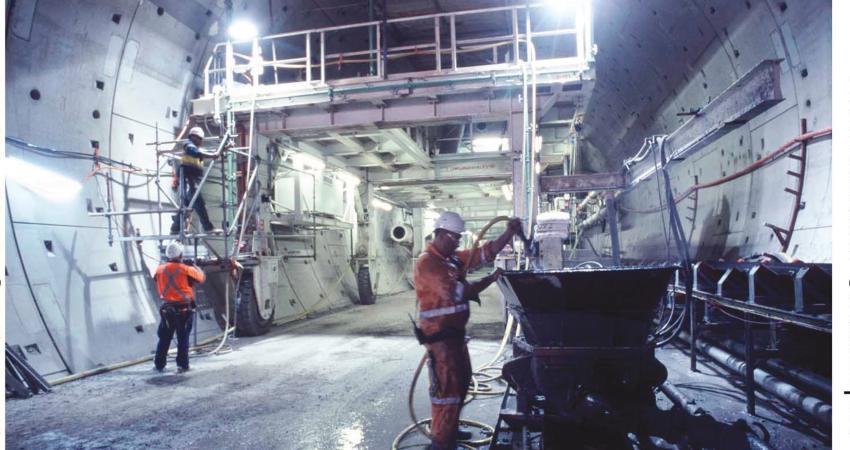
[114, 73]
[663, 60]
[119, 73]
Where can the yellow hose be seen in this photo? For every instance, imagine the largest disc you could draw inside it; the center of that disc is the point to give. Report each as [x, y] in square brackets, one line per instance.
[129, 363]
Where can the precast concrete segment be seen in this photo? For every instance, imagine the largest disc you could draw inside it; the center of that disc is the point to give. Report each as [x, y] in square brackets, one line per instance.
[106, 77]
[727, 221]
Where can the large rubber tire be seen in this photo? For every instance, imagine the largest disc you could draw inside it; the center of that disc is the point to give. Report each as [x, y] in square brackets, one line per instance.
[364, 287]
[248, 319]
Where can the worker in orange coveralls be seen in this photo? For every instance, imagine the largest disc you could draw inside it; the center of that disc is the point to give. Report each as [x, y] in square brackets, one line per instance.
[174, 281]
[444, 296]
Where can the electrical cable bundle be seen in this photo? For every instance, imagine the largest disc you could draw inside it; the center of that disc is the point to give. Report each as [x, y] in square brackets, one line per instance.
[677, 230]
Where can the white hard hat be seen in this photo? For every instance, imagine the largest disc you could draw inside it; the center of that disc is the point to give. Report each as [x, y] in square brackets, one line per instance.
[197, 131]
[450, 221]
[173, 250]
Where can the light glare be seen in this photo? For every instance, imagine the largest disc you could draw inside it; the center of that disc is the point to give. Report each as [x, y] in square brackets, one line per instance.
[377, 203]
[489, 144]
[46, 183]
[508, 191]
[242, 30]
[308, 160]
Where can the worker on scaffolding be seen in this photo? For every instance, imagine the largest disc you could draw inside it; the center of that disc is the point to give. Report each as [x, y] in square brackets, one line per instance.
[189, 173]
[443, 295]
[174, 282]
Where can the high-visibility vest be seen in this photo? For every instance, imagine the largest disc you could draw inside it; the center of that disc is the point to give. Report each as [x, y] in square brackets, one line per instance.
[172, 281]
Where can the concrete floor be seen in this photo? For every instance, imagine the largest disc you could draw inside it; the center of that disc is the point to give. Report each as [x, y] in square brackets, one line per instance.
[339, 381]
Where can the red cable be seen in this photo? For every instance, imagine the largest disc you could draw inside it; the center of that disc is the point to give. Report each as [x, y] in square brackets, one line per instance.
[749, 169]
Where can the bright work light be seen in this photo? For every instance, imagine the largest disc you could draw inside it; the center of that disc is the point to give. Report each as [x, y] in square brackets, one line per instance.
[242, 30]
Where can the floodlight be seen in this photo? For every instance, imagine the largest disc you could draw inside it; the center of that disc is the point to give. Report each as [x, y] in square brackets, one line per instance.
[242, 30]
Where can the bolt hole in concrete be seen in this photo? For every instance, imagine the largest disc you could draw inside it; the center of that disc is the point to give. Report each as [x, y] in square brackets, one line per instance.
[35, 94]
[48, 245]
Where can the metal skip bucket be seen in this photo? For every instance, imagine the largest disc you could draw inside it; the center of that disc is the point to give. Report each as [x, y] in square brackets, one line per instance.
[583, 357]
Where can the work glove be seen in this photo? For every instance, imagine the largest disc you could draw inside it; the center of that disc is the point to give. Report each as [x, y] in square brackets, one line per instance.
[515, 226]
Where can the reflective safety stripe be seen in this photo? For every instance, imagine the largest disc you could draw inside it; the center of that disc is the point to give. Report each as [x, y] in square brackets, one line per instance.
[444, 311]
[445, 401]
[171, 283]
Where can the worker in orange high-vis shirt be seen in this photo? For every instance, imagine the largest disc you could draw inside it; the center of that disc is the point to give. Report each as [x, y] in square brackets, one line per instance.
[174, 282]
[443, 294]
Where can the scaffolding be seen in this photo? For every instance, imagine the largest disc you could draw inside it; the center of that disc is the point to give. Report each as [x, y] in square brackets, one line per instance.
[239, 81]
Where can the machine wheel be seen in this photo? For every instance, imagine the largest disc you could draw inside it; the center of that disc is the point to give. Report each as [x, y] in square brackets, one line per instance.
[248, 319]
[364, 286]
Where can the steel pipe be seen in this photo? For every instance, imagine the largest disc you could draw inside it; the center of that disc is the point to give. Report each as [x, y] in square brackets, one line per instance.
[805, 378]
[815, 407]
[677, 397]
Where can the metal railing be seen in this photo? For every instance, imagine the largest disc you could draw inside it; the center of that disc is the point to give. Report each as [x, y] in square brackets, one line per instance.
[289, 59]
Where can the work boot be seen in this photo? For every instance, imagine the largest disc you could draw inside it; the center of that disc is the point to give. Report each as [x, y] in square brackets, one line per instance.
[182, 369]
[464, 435]
[213, 230]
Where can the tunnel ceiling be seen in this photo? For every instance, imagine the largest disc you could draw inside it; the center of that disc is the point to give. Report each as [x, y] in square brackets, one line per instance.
[648, 51]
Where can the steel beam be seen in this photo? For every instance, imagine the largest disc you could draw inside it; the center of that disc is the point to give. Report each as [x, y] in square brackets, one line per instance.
[582, 183]
[409, 147]
[393, 114]
[428, 84]
[372, 160]
[751, 95]
[817, 323]
[349, 142]
[451, 180]
[485, 165]
[319, 152]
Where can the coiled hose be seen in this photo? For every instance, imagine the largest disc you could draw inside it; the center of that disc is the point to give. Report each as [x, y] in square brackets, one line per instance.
[479, 386]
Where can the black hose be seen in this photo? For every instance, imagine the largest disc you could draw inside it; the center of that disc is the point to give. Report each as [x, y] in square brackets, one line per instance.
[681, 244]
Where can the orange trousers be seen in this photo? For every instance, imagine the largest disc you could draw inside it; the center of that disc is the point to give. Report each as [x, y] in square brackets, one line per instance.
[450, 373]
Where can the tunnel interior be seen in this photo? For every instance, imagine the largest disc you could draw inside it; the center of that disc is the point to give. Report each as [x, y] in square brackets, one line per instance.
[688, 138]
